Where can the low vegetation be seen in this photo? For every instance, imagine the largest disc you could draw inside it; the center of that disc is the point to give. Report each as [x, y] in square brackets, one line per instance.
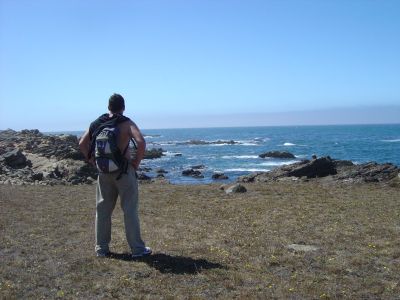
[207, 244]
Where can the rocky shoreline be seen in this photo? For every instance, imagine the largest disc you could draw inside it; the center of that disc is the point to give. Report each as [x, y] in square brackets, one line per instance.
[29, 157]
[328, 169]
[33, 158]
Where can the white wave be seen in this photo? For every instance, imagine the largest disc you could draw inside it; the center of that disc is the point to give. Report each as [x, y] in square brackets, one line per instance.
[253, 142]
[247, 170]
[259, 139]
[239, 156]
[289, 144]
[167, 153]
[391, 141]
[274, 164]
[247, 144]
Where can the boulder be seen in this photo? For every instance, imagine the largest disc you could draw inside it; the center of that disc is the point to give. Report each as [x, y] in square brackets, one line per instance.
[277, 154]
[15, 159]
[192, 173]
[87, 170]
[219, 176]
[143, 177]
[37, 176]
[237, 188]
[319, 167]
[161, 171]
[153, 153]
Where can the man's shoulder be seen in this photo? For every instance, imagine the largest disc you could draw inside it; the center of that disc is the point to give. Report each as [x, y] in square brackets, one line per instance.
[126, 121]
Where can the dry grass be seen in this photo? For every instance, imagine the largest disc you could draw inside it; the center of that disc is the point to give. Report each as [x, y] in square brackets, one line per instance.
[207, 244]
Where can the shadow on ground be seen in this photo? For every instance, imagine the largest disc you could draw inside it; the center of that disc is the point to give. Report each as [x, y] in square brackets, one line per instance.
[166, 263]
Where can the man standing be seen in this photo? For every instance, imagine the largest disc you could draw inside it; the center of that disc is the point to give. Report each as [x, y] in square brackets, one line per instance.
[117, 177]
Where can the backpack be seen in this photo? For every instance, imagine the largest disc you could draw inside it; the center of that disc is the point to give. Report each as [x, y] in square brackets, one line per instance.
[104, 146]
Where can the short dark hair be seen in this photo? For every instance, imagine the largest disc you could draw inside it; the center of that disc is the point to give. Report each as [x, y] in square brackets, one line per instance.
[116, 103]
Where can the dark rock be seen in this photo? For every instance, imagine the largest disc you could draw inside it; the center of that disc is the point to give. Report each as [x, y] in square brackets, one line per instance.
[161, 171]
[341, 170]
[277, 154]
[37, 176]
[319, 167]
[254, 177]
[75, 181]
[153, 153]
[34, 132]
[144, 169]
[15, 159]
[178, 154]
[237, 188]
[219, 176]
[74, 154]
[87, 170]
[342, 163]
[192, 173]
[143, 177]
[369, 172]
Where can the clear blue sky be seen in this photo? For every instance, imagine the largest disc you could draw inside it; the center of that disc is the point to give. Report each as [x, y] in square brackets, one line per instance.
[179, 61]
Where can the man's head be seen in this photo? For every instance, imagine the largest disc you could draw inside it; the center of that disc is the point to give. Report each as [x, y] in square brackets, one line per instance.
[116, 103]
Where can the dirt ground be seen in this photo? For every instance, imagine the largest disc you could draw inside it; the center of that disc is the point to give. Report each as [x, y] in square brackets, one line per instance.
[207, 244]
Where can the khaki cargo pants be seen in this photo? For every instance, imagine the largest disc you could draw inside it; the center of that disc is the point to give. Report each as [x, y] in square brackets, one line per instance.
[108, 190]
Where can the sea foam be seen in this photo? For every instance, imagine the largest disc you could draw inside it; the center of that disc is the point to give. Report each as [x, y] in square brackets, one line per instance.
[246, 170]
[239, 156]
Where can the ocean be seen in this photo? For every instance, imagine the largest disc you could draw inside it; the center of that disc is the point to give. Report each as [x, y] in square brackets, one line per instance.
[358, 143]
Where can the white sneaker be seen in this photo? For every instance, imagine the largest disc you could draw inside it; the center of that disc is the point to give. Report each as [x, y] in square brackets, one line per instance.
[147, 251]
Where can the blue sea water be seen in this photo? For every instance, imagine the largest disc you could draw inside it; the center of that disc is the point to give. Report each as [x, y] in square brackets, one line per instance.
[358, 143]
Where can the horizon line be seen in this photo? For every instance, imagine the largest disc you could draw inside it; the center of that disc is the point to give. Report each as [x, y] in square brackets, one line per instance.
[226, 127]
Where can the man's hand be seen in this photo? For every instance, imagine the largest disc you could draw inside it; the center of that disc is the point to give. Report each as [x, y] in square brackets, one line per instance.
[135, 164]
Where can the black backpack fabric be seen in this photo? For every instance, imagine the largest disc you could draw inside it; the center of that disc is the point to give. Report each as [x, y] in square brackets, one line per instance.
[104, 134]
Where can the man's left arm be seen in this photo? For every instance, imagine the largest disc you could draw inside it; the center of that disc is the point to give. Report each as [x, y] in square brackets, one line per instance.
[84, 146]
[135, 133]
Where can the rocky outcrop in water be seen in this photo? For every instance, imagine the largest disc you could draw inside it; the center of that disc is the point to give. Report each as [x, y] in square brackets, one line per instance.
[336, 170]
[219, 176]
[192, 173]
[277, 154]
[154, 153]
